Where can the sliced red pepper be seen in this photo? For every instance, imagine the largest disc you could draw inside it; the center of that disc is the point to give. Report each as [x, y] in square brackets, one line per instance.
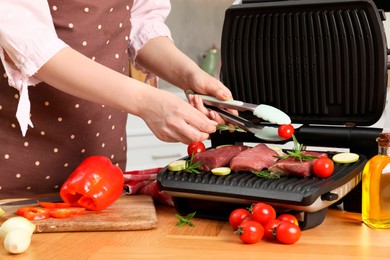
[53, 205]
[66, 212]
[95, 184]
[33, 213]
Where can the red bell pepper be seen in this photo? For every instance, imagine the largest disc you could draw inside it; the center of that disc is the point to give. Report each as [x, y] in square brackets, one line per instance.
[95, 184]
[66, 212]
[53, 205]
[33, 213]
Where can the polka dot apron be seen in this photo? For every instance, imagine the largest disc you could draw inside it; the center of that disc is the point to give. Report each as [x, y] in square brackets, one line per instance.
[66, 129]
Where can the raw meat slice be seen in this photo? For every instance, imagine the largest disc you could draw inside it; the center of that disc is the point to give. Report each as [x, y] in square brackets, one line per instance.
[217, 157]
[291, 166]
[254, 159]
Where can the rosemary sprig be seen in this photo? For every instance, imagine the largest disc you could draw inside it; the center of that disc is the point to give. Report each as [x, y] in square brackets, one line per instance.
[267, 174]
[297, 154]
[230, 128]
[191, 167]
[186, 220]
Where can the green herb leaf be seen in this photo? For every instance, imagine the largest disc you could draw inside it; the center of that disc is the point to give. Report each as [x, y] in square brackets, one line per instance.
[191, 167]
[267, 174]
[297, 154]
[230, 128]
[185, 220]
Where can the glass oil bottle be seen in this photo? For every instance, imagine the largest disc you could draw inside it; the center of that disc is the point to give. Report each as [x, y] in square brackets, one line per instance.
[376, 186]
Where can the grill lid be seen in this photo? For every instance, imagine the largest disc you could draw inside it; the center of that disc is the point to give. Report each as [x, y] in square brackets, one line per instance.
[322, 62]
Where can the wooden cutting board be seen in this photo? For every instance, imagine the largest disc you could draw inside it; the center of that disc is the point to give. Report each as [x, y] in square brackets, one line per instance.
[130, 212]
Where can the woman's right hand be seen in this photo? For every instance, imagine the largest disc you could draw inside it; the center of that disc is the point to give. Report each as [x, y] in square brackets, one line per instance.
[172, 119]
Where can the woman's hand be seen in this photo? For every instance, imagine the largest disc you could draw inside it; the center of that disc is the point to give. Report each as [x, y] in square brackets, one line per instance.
[172, 119]
[203, 83]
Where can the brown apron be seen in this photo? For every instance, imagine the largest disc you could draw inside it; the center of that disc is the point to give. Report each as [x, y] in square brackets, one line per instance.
[66, 129]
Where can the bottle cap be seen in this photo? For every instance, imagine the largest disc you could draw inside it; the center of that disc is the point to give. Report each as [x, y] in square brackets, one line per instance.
[384, 139]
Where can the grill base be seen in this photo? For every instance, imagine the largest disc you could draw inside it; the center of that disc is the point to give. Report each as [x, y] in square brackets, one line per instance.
[221, 210]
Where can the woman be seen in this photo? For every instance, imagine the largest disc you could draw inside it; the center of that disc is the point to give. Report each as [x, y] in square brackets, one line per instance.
[69, 59]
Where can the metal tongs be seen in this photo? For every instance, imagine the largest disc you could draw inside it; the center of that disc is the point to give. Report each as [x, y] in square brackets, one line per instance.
[266, 112]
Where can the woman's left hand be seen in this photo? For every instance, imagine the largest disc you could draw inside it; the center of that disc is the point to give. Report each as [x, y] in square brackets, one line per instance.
[203, 83]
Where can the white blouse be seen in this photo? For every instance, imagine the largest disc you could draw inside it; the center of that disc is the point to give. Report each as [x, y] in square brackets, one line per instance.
[28, 36]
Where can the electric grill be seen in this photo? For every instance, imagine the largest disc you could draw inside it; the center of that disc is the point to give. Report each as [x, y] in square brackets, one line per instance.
[322, 62]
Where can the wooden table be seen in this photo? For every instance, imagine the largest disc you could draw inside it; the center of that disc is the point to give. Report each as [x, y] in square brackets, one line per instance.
[341, 236]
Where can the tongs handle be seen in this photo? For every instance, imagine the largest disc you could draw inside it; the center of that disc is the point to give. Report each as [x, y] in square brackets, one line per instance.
[266, 112]
[232, 104]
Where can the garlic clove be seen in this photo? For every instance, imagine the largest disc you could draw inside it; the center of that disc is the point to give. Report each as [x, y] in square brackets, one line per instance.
[17, 240]
[16, 222]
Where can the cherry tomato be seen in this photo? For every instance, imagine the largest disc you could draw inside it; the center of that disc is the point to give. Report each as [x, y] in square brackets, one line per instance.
[195, 147]
[262, 212]
[250, 231]
[270, 229]
[238, 216]
[288, 233]
[286, 131]
[66, 212]
[323, 167]
[33, 213]
[288, 218]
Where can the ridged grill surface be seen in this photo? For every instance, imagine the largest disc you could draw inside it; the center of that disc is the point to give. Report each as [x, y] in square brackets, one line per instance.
[293, 189]
[323, 63]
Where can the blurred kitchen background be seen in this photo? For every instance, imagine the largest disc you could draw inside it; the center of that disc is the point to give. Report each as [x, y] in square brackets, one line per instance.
[196, 27]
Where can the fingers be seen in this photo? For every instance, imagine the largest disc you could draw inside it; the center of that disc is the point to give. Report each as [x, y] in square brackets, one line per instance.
[185, 125]
[197, 102]
[181, 131]
[215, 88]
[221, 92]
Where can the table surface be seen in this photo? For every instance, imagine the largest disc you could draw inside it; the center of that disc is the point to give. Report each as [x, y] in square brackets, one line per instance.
[341, 236]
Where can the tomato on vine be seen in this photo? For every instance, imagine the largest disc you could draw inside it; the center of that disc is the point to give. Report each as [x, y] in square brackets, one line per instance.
[250, 232]
[286, 131]
[289, 218]
[195, 147]
[270, 229]
[323, 167]
[288, 233]
[262, 212]
[237, 216]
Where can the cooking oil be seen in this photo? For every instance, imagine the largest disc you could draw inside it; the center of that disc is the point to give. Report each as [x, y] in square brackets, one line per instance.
[376, 186]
